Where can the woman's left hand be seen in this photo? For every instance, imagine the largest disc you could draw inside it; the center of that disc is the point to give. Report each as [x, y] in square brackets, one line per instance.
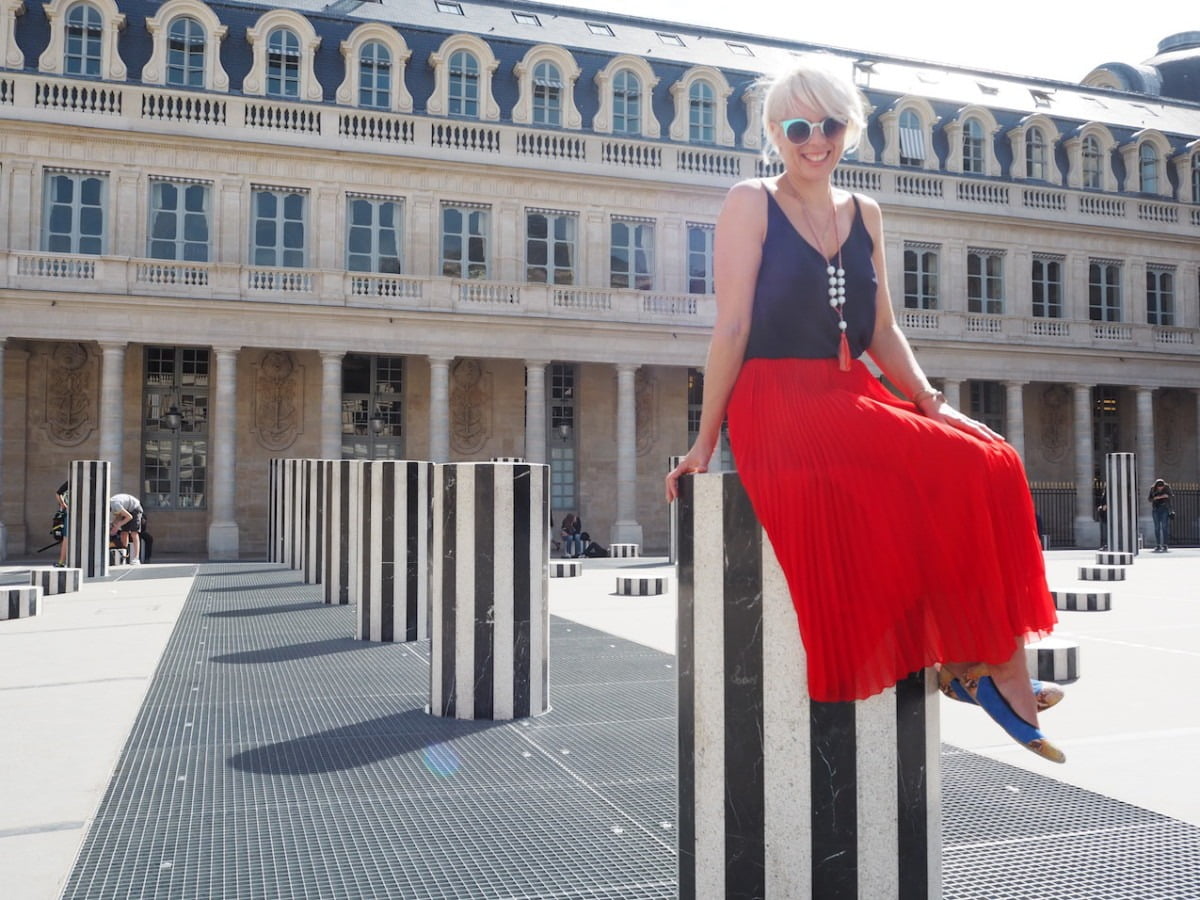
[941, 411]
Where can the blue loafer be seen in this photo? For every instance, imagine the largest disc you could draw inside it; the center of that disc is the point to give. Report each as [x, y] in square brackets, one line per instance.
[1046, 693]
[988, 696]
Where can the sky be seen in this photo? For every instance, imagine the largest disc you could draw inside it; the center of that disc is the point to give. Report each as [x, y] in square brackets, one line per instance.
[1058, 39]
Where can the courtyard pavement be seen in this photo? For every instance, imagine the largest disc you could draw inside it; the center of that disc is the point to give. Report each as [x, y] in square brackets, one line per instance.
[212, 730]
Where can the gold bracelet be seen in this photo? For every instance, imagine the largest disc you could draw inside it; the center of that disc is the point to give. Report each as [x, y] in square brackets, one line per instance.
[928, 393]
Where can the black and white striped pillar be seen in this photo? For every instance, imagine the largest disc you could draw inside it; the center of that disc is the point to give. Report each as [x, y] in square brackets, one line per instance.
[20, 601]
[87, 516]
[489, 618]
[391, 567]
[53, 580]
[781, 797]
[298, 499]
[340, 507]
[274, 508]
[314, 519]
[673, 518]
[1121, 473]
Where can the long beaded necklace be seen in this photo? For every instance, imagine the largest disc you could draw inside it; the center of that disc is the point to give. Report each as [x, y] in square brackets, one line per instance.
[837, 278]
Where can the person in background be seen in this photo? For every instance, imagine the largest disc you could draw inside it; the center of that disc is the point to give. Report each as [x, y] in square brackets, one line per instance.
[1160, 509]
[61, 496]
[126, 511]
[946, 568]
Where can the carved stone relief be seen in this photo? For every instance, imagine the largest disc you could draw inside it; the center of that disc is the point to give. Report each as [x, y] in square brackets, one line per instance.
[470, 406]
[645, 394]
[1056, 423]
[278, 400]
[70, 386]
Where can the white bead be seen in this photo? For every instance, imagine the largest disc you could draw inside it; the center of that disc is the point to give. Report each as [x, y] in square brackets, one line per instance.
[830, 271]
[833, 301]
[841, 281]
[833, 292]
[842, 326]
[841, 273]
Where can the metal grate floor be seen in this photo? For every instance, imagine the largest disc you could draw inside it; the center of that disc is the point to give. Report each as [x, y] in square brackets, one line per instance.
[277, 757]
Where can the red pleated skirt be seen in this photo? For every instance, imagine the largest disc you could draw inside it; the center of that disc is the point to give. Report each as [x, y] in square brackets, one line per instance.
[904, 542]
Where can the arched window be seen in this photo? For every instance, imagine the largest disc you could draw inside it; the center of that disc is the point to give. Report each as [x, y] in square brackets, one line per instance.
[912, 139]
[627, 103]
[85, 30]
[1196, 177]
[547, 94]
[185, 53]
[701, 114]
[283, 63]
[1035, 154]
[972, 160]
[464, 85]
[375, 76]
[1147, 169]
[1092, 171]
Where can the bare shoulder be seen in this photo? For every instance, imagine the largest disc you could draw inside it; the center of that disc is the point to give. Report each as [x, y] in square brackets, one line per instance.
[745, 203]
[871, 213]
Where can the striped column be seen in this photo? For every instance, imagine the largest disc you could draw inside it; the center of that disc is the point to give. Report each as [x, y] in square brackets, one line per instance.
[340, 507]
[274, 513]
[489, 619]
[20, 601]
[781, 797]
[298, 500]
[391, 568]
[87, 521]
[314, 519]
[1122, 502]
[673, 518]
[53, 580]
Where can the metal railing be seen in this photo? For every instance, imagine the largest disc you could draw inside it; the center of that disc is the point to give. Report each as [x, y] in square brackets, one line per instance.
[1055, 505]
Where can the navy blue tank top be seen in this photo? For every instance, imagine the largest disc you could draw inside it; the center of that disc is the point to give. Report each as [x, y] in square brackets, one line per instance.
[792, 318]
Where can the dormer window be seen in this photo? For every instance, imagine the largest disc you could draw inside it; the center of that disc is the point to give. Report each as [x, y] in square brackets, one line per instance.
[283, 64]
[912, 139]
[85, 31]
[1147, 169]
[1092, 163]
[186, 40]
[464, 85]
[375, 76]
[1035, 154]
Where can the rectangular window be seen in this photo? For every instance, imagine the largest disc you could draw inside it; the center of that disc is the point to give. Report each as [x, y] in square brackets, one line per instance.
[700, 258]
[563, 476]
[464, 241]
[179, 221]
[988, 401]
[278, 237]
[1104, 290]
[631, 257]
[73, 213]
[985, 282]
[373, 234]
[1047, 287]
[372, 407]
[550, 240]
[1160, 295]
[920, 276]
[175, 461]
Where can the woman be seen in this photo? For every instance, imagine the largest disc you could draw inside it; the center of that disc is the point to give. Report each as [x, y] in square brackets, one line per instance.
[905, 529]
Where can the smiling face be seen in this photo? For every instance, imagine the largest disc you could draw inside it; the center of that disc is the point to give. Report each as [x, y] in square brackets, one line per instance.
[815, 158]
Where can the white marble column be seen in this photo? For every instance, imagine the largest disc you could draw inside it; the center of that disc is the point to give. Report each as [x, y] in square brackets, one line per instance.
[439, 409]
[112, 414]
[952, 388]
[331, 404]
[3, 480]
[535, 410]
[222, 449]
[625, 529]
[1147, 464]
[1087, 529]
[1014, 426]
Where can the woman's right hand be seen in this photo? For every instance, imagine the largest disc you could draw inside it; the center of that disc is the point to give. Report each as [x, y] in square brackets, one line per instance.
[695, 462]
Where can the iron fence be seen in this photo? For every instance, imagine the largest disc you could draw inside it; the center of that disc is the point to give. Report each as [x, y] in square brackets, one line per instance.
[1055, 505]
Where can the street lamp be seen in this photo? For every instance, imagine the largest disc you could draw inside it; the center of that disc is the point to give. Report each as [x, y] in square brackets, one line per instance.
[377, 423]
[173, 418]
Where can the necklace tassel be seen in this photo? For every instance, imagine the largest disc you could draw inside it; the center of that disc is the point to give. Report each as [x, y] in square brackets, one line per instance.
[844, 353]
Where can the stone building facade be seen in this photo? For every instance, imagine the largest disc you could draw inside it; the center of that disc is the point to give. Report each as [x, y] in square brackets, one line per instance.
[458, 230]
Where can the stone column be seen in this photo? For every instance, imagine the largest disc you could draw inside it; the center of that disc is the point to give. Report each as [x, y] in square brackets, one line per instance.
[1124, 502]
[1147, 462]
[331, 404]
[625, 529]
[1014, 394]
[439, 408]
[489, 644]
[535, 410]
[782, 797]
[952, 388]
[222, 448]
[112, 413]
[1087, 529]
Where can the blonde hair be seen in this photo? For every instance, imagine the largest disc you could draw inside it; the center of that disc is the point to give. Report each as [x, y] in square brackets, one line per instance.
[814, 81]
